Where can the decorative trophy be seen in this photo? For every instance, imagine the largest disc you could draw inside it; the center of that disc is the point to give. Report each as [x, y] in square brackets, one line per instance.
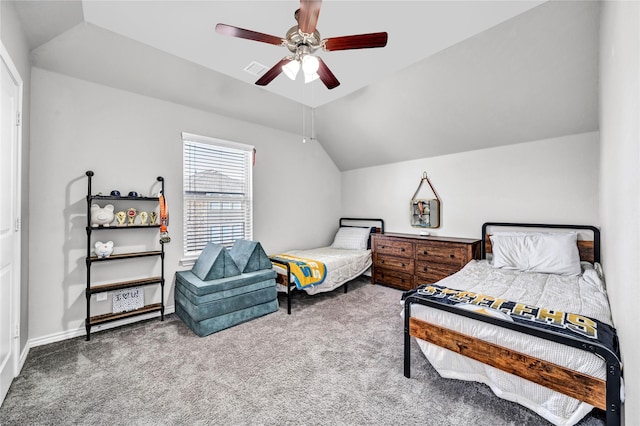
[131, 213]
[153, 216]
[143, 218]
[121, 217]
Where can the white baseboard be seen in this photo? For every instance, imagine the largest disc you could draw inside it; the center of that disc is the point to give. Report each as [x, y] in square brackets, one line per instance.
[70, 334]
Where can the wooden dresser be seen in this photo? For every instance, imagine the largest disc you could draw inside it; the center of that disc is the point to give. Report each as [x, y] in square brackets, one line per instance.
[406, 261]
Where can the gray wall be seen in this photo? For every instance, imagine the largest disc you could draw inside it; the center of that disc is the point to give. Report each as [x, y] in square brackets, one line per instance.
[15, 42]
[127, 140]
[548, 181]
[620, 181]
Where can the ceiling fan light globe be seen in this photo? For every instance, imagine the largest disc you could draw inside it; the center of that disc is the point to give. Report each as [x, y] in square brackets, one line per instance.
[291, 69]
[308, 78]
[310, 64]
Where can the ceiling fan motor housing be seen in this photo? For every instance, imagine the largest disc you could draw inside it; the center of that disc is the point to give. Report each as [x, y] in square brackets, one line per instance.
[296, 38]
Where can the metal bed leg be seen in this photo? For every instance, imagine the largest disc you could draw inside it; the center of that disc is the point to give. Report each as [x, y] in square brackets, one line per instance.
[288, 283]
[407, 341]
[614, 404]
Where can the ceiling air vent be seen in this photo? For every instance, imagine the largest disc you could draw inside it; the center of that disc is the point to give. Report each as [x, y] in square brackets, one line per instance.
[255, 68]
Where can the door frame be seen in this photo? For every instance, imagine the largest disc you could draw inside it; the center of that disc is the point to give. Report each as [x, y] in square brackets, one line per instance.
[16, 302]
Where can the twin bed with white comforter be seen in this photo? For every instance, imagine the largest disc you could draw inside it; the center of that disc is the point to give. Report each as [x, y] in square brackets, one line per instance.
[348, 257]
[342, 265]
[472, 338]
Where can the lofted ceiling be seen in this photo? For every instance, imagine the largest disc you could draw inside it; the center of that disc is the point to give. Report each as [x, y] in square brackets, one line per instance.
[417, 29]
[186, 29]
[454, 76]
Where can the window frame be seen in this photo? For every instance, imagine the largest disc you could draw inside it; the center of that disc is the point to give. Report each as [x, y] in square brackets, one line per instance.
[189, 256]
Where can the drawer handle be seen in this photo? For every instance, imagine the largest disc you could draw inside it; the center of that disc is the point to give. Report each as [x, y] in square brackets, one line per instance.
[402, 249]
[402, 265]
[424, 269]
[425, 252]
[383, 246]
[382, 261]
[452, 256]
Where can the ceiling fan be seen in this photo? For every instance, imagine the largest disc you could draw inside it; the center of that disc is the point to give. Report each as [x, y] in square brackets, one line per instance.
[303, 40]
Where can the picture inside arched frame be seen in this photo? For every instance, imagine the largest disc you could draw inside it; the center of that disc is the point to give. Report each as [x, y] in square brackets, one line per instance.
[425, 212]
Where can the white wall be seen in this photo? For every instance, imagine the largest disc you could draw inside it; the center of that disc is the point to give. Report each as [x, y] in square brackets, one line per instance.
[128, 140]
[547, 181]
[15, 42]
[620, 181]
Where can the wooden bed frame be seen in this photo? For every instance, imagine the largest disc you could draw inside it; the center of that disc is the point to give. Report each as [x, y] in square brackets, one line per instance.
[284, 280]
[601, 393]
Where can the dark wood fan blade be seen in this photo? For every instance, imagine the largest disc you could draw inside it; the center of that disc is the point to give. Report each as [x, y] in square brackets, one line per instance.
[272, 73]
[360, 41]
[308, 16]
[327, 76]
[248, 34]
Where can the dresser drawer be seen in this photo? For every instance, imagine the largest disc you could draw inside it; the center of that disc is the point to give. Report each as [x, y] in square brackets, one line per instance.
[429, 273]
[435, 252]
[394, 248]
[402, 264]
[396, 279]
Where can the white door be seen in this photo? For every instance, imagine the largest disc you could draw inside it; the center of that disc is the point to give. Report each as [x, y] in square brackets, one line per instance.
[11, 88]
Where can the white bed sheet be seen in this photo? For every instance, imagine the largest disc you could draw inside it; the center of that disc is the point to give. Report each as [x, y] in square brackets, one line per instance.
[341, 265]
[584, 294]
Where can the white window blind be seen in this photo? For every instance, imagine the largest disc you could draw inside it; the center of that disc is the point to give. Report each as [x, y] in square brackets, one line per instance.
[217, 192]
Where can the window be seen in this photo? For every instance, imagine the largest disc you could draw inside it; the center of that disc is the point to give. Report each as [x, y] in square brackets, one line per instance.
[217, 192]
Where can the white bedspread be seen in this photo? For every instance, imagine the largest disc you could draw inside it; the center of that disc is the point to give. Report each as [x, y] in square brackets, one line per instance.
[341, 265]
[583, 294]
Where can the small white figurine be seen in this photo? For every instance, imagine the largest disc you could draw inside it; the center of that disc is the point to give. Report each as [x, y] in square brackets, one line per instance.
[103, 250]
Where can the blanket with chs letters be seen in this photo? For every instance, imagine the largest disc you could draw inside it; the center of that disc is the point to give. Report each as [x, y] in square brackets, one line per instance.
[305, 272]
[574, 325]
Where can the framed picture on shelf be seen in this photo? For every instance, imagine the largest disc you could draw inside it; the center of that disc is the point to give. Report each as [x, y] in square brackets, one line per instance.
[128, 299]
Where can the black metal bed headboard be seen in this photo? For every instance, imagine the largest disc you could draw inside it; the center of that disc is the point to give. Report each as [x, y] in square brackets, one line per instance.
[593, 229]
[361, 219]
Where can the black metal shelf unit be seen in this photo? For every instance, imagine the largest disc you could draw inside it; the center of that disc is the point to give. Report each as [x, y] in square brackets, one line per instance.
[89, 260]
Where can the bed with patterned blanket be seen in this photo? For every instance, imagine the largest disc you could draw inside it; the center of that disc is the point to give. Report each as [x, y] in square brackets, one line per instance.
[324, 269]
[533, 323]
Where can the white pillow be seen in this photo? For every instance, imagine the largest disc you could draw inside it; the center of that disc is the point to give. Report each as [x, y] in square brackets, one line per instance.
[551, 253]
[351, 238]
[510, 250]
